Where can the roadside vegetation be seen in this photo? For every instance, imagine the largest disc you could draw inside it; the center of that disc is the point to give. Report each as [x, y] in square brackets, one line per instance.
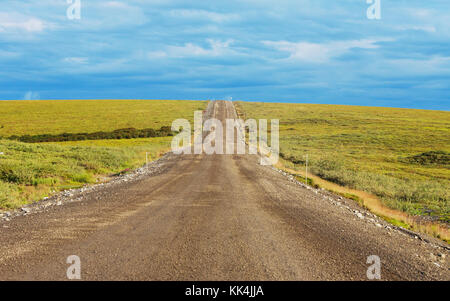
[65, 147]
[400, 156]
[88, 116]
[29, 172]
[116, 134]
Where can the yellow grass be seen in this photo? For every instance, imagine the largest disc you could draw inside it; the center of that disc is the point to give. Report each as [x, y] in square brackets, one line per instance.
[374, 205]
[30, 171]
[395, 160]
[87, 116]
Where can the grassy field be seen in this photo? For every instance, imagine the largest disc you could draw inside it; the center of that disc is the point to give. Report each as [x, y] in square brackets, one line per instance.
[401, 156]
[87, 116]
[31, 171]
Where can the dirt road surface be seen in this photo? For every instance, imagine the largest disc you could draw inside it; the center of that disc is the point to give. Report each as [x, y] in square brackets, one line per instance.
[211, 217]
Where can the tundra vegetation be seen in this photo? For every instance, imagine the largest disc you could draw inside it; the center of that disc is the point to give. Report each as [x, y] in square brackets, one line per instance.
[69, 148]
[88, 116]
[401, 156]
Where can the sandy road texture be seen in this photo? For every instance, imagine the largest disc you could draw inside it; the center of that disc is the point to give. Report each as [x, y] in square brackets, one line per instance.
[210, 217]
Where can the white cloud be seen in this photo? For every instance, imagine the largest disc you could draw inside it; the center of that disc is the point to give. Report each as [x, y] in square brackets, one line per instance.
[113, 14]
[76, 60]
[30, 95]
[203, 14]
[428, 20]
[115, 4]
[14, 22]
[217, 48]
[420, 13]
[8, 54]
[426, 65]
[320, 53]
[425, 28]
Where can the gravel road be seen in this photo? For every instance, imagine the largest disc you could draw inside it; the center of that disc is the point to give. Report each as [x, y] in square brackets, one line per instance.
[209, 217]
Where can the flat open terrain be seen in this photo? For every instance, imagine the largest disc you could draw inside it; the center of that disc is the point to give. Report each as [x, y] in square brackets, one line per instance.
[31, 171]
[400, 155]
[211, 217]
[81, 116]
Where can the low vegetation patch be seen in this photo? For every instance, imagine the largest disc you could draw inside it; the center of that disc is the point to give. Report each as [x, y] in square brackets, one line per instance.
[38, 117]
[30, 172]
[74, 142]
[429, 158]
[128, 133]
[399, 155]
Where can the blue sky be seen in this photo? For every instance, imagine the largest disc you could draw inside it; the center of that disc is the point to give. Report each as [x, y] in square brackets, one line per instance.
[291, 51]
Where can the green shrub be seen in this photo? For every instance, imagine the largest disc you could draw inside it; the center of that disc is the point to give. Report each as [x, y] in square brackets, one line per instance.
[428, 158]
[15, 172]
[8, 194]
[413, 196]
[127, 133]
[82, 178]
[49, 165]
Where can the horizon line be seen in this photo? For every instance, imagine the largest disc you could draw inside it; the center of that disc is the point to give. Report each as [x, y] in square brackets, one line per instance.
[251, 101]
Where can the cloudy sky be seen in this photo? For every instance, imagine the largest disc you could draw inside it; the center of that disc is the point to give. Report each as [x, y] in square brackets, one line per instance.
[258, 50]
